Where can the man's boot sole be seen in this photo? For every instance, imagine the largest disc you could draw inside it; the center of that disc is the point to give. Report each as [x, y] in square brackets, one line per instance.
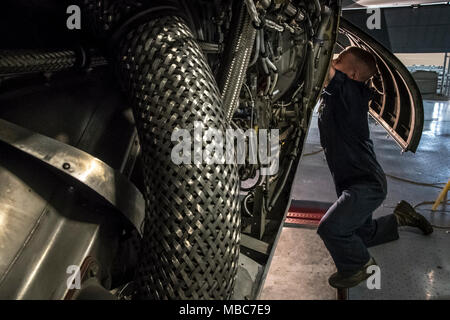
[404, 208]
[352, 284]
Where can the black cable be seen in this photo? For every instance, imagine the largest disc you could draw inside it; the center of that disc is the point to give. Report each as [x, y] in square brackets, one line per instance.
[442, 211]
[438, 185]
[431, 202]
[432, 185]
[312, 153]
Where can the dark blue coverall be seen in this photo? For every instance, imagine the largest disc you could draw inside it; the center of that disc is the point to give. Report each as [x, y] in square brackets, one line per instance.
[347, 228]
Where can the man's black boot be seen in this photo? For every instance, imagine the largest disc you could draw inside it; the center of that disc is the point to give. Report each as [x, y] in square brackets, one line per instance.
[407, 216]
[342, 281]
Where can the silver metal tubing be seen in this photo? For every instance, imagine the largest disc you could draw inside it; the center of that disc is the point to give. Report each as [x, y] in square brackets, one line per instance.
[235, 67]
[274, 26]
[256, 55]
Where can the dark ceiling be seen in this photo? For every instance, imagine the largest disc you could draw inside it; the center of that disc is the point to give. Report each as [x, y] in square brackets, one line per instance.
[425, 29]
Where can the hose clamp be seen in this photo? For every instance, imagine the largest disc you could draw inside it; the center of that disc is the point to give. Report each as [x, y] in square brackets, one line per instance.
[261, 25]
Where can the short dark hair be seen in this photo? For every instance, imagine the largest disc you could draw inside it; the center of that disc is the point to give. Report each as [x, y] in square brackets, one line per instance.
[364, 59]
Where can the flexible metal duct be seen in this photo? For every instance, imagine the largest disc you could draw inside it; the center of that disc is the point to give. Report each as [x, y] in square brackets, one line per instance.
[27, 61]
[16, 62]
[190, 244]
[236, 61]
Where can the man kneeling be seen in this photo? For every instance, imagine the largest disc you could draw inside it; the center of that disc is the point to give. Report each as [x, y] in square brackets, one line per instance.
[347, 228]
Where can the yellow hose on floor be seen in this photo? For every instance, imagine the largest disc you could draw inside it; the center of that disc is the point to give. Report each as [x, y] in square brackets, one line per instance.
[441, 196]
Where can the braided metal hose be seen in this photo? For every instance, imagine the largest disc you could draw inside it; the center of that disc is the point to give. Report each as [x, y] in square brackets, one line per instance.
[27, 61]
[191, 237]
[190, 244]
[234, 68]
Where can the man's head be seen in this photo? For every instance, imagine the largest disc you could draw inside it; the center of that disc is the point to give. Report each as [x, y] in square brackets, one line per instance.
[358, 64]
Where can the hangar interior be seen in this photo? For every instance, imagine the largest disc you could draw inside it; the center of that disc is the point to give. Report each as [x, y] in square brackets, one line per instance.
[415, 266]
[95, 120]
